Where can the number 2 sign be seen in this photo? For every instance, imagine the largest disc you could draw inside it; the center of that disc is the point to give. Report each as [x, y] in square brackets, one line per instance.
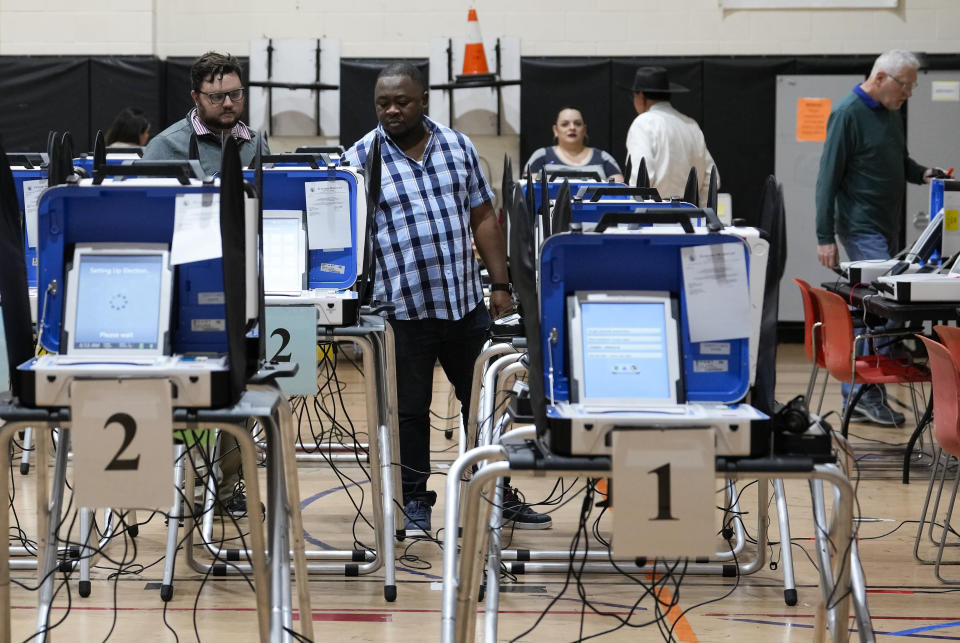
[122, 441]
[292, 338]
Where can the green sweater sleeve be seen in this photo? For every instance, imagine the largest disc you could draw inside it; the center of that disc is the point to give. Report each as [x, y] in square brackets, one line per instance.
[833, 162]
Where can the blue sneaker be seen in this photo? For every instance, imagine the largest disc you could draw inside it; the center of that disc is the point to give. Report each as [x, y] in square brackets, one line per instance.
[879, 412]
[417, 518]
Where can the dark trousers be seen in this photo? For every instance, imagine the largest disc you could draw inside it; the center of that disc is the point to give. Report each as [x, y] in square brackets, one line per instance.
[420, 343]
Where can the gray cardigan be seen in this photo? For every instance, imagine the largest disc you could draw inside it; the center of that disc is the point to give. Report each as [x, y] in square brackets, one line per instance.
[173, 143]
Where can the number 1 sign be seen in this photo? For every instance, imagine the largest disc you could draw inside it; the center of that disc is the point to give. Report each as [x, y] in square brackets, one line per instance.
[122, 440]
[663, 492]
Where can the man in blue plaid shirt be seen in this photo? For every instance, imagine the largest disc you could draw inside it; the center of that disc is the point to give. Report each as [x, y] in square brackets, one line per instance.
[434, 200]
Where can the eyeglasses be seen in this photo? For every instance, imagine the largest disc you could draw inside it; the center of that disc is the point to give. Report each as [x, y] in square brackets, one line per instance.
[904, 86]
[217, 98]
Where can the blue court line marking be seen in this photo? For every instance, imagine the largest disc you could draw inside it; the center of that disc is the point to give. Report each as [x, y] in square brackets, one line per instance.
[308, 501]
[913, 634]
[925, 628]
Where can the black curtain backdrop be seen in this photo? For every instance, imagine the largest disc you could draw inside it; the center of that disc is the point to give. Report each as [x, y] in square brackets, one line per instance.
[43, 93]
[732, 97]
[739, 123]
[551, 84]
[685, 71]
[358, 77]
[117, 82]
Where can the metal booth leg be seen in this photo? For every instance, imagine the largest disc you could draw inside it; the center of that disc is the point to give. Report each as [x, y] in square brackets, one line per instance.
[25, 454]
[258, 544]
[6, 434]
[53, 505]
[177, 509]
[786, 548]
[389, 370]
[285, 427]
[451, 579]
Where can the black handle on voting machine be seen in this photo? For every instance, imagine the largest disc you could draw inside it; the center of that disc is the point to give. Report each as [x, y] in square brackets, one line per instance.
[680, 216]
[183, 171]
[646, 194]
[308, 158]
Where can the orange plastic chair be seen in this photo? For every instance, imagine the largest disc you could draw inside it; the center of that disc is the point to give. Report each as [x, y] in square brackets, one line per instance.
[945, 375]
[839, 353]
[950, 338]
[812, 343]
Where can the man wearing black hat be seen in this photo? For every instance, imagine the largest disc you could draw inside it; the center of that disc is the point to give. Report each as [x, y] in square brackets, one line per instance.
[669, 142]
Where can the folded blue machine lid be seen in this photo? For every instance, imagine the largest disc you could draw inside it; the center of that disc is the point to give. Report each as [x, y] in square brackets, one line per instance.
[716, 371]
[70, 214]
[284, 189]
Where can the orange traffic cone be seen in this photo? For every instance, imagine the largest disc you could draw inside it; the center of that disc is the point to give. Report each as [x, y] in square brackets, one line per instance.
[474, 58]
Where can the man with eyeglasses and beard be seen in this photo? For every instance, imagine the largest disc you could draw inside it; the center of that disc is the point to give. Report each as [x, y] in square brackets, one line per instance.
[218, 97]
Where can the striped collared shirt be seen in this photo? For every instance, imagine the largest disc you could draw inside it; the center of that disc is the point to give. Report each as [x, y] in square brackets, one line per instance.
[239, 130]
[423, 245]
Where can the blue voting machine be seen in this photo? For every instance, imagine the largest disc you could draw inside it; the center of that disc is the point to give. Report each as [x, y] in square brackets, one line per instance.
[314, 235]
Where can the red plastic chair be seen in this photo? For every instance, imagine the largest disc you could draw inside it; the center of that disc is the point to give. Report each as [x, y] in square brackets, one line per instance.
[839, 353]
[812, 344]
[945, 375]
[950, 338]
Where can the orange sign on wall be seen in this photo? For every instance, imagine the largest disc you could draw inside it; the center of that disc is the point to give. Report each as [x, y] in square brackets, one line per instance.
[812, 115]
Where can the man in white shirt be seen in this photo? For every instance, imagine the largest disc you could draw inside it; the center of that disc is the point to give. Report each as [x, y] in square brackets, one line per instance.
[669, 142]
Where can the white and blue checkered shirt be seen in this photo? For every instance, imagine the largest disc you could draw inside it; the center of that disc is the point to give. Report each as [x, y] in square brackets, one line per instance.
[423, 245]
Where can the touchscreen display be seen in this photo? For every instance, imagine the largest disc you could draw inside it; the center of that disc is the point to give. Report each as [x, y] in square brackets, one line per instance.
[118, 302]
[626, 353]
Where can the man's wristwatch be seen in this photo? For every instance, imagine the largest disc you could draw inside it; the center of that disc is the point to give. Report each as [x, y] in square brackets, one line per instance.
[504, 286]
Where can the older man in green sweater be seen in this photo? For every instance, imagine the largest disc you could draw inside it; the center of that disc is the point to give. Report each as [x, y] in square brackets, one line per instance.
[860, 188]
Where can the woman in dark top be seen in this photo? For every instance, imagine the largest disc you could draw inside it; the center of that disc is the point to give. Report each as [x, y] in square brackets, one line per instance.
[129, 129]
[570, 152]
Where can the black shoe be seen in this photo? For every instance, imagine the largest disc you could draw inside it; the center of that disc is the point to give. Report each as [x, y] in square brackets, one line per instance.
[519, 515]
[417, 518]
[236, 505]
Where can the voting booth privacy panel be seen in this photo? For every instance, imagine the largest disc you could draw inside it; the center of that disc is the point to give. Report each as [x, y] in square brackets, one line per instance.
[97, 241]
[29, 173]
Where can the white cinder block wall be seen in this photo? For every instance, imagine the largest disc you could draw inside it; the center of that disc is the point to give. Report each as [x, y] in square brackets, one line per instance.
[376, 28]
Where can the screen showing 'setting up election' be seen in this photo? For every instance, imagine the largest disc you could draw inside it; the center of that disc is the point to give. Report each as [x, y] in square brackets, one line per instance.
[118, 302]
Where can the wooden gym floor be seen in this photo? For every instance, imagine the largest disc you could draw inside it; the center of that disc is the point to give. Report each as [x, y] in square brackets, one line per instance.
[905, 598]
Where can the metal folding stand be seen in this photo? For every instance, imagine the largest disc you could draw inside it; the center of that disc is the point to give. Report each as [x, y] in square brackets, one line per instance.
[461, 584]
[490, 424]
[271, 583]
[468, 439]
[487, 423]
[376, 341]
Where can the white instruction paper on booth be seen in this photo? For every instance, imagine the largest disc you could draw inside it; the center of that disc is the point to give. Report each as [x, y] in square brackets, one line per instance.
[31, 198]
[328, 215]
[716, 290]
[196, 228]
[122, 440]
